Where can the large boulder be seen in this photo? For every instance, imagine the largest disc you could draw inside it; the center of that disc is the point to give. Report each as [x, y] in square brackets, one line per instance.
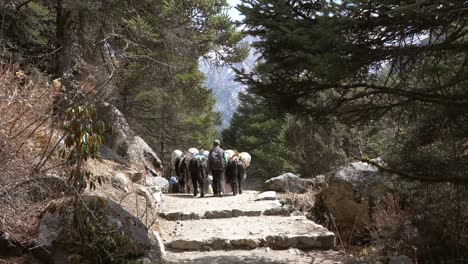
[123, 145]
[288, 182]
[158, 181]
[153, 196]
[346, 203]
[57, 239]
[121, 135]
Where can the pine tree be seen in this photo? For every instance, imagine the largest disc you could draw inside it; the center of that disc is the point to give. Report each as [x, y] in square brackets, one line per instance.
[258, 130]
[358, 61]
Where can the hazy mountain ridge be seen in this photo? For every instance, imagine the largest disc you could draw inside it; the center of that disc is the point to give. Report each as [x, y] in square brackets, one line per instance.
[225, 89]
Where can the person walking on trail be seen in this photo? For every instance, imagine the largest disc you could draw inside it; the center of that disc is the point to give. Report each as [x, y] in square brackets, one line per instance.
[217, 165]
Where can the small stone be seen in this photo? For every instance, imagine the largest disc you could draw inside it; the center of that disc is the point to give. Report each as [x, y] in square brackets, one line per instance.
[277, 211]
[186, 244]
[267, 196]
[218, 214]
[237, 213]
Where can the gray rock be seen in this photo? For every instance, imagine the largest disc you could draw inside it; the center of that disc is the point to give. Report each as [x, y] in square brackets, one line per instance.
[349, 196]
[219, 243]
[277, 211]
[173, 216]
[281, 242]
[248, 243]
[268, 195]
[186, 244]
[106, 152]
[400, 260]
[218, 214]
[158, 181]
[141, 156]
[143, 191]
[288, 182]
[159, 244]
[120, 181]
[158, 197]
[124, 145]
[237, 213]
[251, 213]
[302, 242]
[117, 142]
[54, 244]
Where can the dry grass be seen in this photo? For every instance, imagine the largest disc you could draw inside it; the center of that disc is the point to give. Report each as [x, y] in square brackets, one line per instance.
[26, 139]
[301, 202]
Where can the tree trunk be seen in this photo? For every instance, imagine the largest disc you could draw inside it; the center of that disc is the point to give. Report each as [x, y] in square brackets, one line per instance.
[64, 40]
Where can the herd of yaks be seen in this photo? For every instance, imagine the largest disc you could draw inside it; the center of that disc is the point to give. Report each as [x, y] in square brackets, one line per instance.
[194, 165]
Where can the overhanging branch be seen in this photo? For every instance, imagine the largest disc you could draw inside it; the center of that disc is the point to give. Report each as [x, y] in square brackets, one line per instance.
[438, 179]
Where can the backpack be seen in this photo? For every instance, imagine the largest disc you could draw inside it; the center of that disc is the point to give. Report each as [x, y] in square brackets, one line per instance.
[217, 157]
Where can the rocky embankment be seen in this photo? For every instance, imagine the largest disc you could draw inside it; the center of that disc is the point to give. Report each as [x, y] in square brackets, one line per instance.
[124, 205]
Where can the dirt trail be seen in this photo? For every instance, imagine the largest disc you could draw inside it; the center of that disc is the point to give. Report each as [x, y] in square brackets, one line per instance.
[241, 229]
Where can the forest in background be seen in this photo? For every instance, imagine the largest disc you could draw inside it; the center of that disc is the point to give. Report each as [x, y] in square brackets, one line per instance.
[336, 82]
[356, 80]
[141, 56]
[61, 62]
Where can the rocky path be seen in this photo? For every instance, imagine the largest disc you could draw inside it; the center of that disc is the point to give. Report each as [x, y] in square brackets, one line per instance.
[241, 229]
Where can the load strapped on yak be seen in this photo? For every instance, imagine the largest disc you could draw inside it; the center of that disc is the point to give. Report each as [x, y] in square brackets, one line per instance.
[243, 156]
[189, 155]
[175, 155]
[201, 154]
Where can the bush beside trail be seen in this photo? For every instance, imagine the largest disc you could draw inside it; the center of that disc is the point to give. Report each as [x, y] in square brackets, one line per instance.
[421, 221]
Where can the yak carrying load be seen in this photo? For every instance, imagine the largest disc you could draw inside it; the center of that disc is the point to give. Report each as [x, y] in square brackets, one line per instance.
[190, 168]
[236, 170]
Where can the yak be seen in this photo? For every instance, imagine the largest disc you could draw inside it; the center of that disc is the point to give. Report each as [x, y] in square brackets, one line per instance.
[235, 174]
[198, 168]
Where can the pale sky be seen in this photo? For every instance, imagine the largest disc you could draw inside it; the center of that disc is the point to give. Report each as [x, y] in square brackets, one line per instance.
[233, 12]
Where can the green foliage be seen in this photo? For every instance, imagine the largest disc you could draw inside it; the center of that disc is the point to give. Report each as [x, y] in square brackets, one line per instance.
[259, 131]
[82, 142]
[98, 240]
[26, 30]
[358, 62]
[315, 148]
[93, 239]
[142, 56]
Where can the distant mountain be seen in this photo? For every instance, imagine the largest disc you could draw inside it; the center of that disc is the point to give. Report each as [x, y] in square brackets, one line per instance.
[221, 81]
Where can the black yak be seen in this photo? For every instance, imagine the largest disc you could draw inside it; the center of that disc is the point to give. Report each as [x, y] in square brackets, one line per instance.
[235, 174]
[199, 172]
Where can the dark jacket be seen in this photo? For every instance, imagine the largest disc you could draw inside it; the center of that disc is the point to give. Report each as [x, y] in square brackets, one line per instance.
[210, 158]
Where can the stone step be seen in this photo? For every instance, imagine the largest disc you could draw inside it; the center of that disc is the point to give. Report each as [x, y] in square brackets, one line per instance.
[227, 213]
[187, 207]
[277, 232]
[255, 256]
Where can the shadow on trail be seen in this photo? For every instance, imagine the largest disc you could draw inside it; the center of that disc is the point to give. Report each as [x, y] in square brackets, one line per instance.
[190, 196]
[246, 260]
